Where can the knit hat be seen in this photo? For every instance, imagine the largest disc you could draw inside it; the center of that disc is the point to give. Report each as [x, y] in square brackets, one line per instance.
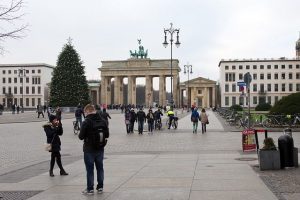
[52, 117]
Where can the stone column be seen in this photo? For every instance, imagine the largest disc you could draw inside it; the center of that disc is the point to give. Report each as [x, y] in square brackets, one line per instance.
[148, 92]
[213, 96]
[129, 91]
[206, 97]
[121, 90]
[108, 91]
[134, 90]
[193, 96]
[162, 90]
[103, 90]
[175, 90]
[117, 90]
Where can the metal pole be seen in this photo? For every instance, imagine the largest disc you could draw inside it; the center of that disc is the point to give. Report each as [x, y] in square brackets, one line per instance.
[188, 94]
[249, 105]
[172, 102]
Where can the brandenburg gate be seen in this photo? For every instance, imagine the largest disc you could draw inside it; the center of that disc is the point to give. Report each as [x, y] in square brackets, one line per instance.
[133, 68]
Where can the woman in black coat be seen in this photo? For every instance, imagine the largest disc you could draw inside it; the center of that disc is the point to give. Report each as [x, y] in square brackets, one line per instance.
[53, 130]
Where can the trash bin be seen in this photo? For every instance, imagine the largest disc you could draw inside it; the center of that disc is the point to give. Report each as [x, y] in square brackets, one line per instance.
[286, 148]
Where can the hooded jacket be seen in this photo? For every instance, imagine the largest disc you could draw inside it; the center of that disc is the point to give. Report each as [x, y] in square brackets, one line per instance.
[53, 133]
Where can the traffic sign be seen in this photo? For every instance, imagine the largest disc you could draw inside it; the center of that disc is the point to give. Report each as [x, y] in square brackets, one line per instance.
[241, 83]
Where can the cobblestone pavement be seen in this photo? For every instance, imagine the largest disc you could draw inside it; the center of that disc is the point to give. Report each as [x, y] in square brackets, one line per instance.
[21, 144]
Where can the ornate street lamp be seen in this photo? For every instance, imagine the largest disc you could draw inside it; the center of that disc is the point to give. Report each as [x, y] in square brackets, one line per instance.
[22, 74]
[188, 69]
[171, 31]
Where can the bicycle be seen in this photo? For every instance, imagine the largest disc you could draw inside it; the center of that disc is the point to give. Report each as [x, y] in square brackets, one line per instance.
[174, 123]
[295, 121]
[158, 124]
[76, 127]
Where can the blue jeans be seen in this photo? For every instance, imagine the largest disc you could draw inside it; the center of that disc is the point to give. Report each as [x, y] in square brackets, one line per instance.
[79, 119]
[141, 126]
[89, 160]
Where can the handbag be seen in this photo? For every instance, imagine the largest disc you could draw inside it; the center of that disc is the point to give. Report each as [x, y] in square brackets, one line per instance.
[207, 122]
[48, 146]
[127, 121]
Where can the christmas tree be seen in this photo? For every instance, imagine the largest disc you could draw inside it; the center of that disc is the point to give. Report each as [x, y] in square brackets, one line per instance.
[69, 86]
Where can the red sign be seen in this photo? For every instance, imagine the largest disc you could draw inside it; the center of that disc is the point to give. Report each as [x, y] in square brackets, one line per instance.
[248, 140]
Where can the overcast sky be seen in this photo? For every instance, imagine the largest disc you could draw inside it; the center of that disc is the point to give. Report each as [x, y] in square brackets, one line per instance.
[107, 29]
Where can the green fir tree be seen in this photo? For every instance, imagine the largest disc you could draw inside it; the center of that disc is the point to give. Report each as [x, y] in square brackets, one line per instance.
[69, 86]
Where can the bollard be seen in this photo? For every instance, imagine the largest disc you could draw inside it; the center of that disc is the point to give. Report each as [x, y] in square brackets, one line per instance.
[286, 148]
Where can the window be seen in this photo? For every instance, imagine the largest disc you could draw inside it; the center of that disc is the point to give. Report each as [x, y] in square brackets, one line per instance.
[27, 71]
[275, 66]
[269, 87]
[290, 75]
[33, 102]
[233, 87]
[254, 100]
[15, 80]
[282, 66]
[33, 90]
[297, 66]
[21, 90]
[9, 71]
[27, 80]
[261, 67]
[254, 87]
[199, 91]
[15, 71]
[3, 80]
[240, 76]
[291, 87]
[298, 87]
[247, 66]
[283, 76]
[261, 76]
[21, 80]
[39, 80]
[254, 67]
[226, 67]
[33, 71]
[27, 90]
[9, 80]
[3, 71]
[9, 90]
[269, 67]
[276, 76]
[283, 87]
[233, 67]
[39, 71]
[241, 67]
[254, 76]
[27, 101]
[226, 101]
[298, 76]
[276, 87]
[3, 90]
[290, 66]
[276, 99]
[15, 90]
[269, 100]
[39, 101]
[21, 101]
[268, 76]
[241, 99]
[39, 90]
[226, 88]
[233, 101]
[226, 77]
[262, 88]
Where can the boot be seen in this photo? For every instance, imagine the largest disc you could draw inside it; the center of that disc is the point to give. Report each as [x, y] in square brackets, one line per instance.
[51, 173]
[63, 173]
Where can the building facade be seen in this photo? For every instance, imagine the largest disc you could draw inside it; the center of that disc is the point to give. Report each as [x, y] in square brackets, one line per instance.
[25, 84]
[272, 79]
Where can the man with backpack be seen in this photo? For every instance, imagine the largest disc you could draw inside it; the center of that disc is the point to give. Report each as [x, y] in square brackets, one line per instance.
[93, 132]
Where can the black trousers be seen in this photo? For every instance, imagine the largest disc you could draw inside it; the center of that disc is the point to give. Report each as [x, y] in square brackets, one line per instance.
[55, 155]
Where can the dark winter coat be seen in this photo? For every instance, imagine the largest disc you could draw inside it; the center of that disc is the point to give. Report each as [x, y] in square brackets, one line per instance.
[87, 132]
[105, 115]
[132, 116]
[141, 116]
[53, 132]
[150, 117]
[195, 116]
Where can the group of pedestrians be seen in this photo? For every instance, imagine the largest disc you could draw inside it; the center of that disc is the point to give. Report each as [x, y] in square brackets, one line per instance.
[141, 118]
[196, 117]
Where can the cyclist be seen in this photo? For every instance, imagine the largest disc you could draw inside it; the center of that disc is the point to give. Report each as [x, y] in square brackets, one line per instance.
[157, 116]
[170, 114]
[78, 115]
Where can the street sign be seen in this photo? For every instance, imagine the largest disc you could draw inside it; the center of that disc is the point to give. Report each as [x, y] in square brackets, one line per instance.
[241, 83]
[247, 78]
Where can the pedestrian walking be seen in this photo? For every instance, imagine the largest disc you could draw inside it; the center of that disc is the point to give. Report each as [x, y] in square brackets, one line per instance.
[204, 120]
[127, 120]
[93, 132]
[105, 115]
[78, 115]
[45, 108]
[53, 130]
[133, 119]
[18, 109]
[141, 119]
[195, 117]
[150, 121]
[39, 110]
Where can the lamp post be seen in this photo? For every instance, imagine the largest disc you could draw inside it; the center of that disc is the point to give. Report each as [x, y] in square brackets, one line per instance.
[188, 69]
[22, 74]
[171, 31]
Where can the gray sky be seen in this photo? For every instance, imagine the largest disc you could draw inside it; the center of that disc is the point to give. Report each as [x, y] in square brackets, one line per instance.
[106, 30]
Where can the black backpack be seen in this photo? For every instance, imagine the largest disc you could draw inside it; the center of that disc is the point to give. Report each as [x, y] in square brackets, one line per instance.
[100, 133]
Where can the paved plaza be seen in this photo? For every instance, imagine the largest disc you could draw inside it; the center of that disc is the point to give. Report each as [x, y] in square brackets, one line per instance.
[165, 165]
